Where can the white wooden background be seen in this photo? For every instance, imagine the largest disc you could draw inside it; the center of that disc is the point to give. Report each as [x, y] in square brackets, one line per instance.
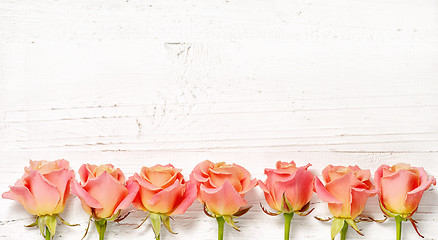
[141, 82]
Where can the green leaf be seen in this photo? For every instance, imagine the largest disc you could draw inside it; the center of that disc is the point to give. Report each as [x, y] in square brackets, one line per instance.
[50, 221]
[156, 224]
[337, 225]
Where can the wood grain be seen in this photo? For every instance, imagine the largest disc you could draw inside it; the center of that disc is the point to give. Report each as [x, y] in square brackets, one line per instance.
[143, 82]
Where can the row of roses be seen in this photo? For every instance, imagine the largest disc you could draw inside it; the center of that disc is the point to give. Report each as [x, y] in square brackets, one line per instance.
[162, 192]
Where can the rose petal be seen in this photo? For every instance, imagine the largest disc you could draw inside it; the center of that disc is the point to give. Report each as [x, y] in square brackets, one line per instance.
[24, 196]
[394, 189]
[268, 197]
[133, 189]
[224, 200]
[323, 194]
[188, 198]
[298, 190]
[358, 199]
[46, 195]
[413, 197]
[61, 179]
[84, 196]
[108, 191]
[165, 200]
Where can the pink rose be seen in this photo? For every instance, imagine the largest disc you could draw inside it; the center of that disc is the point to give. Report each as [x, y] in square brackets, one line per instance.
[222, 186]
[103, 191]
[401, 187]
[44, 187]
[163, 192]
[346, 191]
[288, 190]
[288, 181]
[43, 191]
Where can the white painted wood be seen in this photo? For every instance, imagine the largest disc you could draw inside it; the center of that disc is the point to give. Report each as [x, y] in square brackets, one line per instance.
[143, 82]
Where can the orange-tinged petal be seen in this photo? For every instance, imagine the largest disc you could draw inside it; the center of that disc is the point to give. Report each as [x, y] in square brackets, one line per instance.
[46, 194]
[61, 179]
[298, 190]
[222, 201]
[86, 172]
[24, 196]
[268, 197]
[132, 193]
[218, 178]
[87, 200]
[359, 197]
[323, 194]
[108, 191]
[394, 189]
[188, 198]
[166, 200]
[413, 197]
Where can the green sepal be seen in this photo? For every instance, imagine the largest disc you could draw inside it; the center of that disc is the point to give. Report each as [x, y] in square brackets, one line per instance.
[101, 227]
[51, 224]
[230, 221]
[285, 205]
[156, 224]
[34, 224]
[337, 225]
[166, 222]
[352, 223]
[114, 217]
[385, 211]
[48, 221]
[65, 222]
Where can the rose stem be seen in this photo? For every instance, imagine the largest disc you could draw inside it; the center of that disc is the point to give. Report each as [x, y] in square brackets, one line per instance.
[47, 233]
[287, 220]
[398, 224]
[220, 229]
[344, 231]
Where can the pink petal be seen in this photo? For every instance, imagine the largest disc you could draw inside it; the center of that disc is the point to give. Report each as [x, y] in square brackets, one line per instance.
[250, 186]
[145, 184]
[80, 192]
[268, 197]
[340, 187]
[224, 200]
[395, 188]
[85, 171]
[413, 197]
[132, 193]
[61, 179]
[323, 194]
[167, 199]
[24, 196]
[298, 190]
[46, 195]
[359, 197]
[188, 198]
[108, 191]
[218, 178]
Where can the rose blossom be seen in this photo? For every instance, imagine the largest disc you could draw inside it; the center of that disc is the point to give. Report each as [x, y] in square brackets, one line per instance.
[103, 193]
[163, 193]
[43, 190]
